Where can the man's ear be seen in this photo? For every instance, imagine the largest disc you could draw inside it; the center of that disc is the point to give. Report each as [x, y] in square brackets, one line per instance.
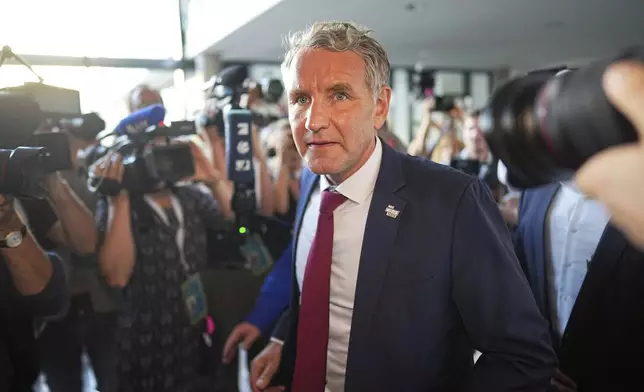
[382, 107]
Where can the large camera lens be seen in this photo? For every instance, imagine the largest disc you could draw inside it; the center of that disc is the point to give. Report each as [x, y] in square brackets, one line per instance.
[512, 130]
[21, 171]
[546, 124]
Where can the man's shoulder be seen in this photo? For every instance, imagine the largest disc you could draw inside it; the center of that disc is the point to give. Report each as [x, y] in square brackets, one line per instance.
[423, 175]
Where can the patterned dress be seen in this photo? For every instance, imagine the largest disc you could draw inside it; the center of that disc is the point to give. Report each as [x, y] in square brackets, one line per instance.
[158, 348]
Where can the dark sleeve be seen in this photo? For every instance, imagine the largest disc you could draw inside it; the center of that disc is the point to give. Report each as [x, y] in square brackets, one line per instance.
[41, 218]
[52, 300]
[275, 294]
[495, 302]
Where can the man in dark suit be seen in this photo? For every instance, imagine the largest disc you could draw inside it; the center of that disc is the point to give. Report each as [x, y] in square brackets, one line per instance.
[402, 266]
[589, 283]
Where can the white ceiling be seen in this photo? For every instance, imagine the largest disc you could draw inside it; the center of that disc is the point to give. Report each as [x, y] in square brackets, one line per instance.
[457, 33]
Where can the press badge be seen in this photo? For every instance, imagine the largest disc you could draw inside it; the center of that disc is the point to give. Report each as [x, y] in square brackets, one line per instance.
[195, 298]
[258, 258]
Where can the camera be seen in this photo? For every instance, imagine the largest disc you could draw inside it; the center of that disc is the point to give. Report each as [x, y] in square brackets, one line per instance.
[272, 90]
[546, 124]
[27, 156]
[425, 82]
[86, 127]
[147, 166]
[227, 91]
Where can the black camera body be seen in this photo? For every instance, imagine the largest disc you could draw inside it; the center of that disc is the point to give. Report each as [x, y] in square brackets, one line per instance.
[148, 167]
[27, 156]
[227, 90]
[544, 125]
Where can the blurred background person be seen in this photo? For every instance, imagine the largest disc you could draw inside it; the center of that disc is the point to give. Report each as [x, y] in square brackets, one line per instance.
[477, 157]
[32, 288]
[439, 142]
[588, 281]
[89, 325]
[153, 246]
[286, 166]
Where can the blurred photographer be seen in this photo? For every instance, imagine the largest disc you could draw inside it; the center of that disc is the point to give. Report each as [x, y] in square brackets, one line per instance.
[476, 159]
[32, 285]
[439, 142]
[89, 324]
[616, 176]
[143, 96]
[230, 89]
[572, 140]
[287, 166]
[153, 246]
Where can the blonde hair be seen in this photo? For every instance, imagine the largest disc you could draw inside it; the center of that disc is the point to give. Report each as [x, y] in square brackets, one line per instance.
[338, 36]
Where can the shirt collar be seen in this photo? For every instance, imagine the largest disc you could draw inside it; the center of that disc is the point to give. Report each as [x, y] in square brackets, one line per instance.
[360, 185]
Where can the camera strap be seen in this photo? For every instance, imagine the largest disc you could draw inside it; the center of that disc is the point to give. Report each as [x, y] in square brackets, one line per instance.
[180, 235]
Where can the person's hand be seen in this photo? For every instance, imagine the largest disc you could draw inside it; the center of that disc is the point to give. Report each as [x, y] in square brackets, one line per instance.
[562, 383]
[110, 167]
[264, 367]
[205, 171]
[616, 176]
[246, 333]
[510, 210]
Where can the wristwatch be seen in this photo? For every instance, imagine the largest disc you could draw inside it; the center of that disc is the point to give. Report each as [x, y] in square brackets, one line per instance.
[14, 238]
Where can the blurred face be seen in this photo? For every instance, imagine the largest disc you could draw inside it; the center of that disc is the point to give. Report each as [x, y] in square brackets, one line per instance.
[332, 111]
[474, 139]
[144, 98]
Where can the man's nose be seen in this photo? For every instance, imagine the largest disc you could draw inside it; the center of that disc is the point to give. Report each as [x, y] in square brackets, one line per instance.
[317, 117]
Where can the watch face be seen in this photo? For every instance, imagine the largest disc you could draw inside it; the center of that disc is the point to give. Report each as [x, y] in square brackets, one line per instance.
[13, 239]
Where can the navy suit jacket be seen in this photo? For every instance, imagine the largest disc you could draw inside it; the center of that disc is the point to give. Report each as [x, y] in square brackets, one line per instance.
[275, 293]
[433, 284]
[602, 348]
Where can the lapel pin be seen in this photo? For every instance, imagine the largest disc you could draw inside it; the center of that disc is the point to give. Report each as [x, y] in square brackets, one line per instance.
[392, 212]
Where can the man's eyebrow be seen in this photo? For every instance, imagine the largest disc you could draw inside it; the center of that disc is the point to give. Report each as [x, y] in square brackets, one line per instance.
[338, 87]
[297, 91]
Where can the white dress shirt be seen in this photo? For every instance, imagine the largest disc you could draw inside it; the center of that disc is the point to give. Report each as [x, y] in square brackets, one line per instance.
[348, 232]
[575, 226]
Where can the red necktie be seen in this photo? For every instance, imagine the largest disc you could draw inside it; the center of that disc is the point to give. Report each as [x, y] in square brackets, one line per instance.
[313, 320]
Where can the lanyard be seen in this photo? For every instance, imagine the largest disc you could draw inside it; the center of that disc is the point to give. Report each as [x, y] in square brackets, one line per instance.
[180, 236]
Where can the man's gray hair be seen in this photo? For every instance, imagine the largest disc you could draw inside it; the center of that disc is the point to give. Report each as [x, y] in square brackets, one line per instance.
[337, 36]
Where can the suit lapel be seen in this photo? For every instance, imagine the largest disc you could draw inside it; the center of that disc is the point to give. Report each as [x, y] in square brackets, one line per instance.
[541, 244]
[379, 237]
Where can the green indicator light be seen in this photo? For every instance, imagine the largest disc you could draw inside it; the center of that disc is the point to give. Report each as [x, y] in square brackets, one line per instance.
[242, 230]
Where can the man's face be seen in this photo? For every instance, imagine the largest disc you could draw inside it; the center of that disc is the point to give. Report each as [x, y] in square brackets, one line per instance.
[144, 98]
[474, 139]
[332, 111]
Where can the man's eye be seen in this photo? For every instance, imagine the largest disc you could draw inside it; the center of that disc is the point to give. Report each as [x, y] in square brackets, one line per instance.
[340, 96]
[301, 100]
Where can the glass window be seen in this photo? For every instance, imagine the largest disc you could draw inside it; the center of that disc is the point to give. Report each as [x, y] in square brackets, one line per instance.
[142, 29]
[450, 83]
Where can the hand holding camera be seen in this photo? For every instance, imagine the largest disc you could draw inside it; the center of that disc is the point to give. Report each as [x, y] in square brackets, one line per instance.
[110, 169]
[615, 176]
